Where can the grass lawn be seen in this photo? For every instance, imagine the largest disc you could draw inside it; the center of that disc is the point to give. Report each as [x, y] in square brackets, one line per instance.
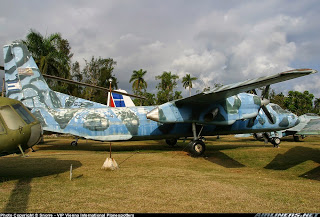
[235, 175]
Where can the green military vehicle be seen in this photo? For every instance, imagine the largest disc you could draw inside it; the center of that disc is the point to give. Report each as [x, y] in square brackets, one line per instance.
[19, 129]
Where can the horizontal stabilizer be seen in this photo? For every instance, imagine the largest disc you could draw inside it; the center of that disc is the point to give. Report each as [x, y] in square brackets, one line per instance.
[312, 128]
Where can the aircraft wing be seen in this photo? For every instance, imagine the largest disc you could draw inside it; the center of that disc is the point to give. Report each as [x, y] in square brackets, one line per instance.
[312, 128]
[226, 91]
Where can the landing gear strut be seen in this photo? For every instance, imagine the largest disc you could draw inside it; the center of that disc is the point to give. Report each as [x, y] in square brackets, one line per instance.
[297, 138]
[196, 146]
[75, 143]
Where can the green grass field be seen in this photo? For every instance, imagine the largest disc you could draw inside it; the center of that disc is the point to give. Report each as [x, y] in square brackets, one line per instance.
[235, 175]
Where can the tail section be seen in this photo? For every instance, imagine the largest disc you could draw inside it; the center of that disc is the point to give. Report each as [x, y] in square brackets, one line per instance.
[25, 82]
[59, 112]
[118, 100]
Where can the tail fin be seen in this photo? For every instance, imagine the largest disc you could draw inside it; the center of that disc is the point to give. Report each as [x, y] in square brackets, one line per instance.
[118, 100]
[25, 82]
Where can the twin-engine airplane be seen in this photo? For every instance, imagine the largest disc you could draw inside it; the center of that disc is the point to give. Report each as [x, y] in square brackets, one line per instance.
[309, 125]
[224, 110]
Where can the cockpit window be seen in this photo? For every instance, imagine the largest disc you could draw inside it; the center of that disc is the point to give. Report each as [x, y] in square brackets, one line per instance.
[279, 110]
[11, 118]
[23, 113]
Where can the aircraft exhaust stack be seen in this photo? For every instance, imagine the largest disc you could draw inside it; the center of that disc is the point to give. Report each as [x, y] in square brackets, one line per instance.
[154, 114]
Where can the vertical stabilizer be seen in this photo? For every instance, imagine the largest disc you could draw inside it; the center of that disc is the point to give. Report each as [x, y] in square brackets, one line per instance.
[24, 82]
[122, 100]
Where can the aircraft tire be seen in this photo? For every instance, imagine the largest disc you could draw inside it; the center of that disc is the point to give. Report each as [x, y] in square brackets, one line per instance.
[171, 142]
[197, 148]
[74, 143]
[296, 138]
[276, 141]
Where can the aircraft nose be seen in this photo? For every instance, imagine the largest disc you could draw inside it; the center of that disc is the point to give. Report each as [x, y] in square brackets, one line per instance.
[295, 120]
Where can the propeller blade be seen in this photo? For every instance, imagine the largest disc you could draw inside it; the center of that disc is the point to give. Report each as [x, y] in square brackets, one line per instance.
[265, 93]
[264, 108]
[90, 85]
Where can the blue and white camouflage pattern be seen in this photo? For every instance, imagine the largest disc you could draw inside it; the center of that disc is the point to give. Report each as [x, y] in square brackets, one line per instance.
[224, 110]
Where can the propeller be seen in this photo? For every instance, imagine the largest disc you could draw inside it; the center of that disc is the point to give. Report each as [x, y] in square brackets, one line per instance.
[264, 101]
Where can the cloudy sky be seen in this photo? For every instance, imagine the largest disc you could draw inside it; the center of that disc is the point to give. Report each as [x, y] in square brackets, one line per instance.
[216, 41]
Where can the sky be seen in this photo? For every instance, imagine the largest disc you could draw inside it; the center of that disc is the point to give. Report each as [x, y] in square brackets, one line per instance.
[216, 41]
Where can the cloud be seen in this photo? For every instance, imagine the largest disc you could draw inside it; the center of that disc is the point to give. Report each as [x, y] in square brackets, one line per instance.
[219, 42]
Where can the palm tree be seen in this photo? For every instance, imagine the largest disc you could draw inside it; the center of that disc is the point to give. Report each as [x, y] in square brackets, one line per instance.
[138, 81]
[166, 86]
[187, 82]
[52, 53]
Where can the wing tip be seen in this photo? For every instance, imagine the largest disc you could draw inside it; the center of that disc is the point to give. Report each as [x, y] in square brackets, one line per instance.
[299, 71]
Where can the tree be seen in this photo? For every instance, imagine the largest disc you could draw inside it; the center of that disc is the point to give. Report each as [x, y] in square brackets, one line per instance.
[76, 75]
[299, 103]
[138, 82]
[98, 72]
[51, 54]
[177, 95]
[277, 99]
[167, 84]
[150, 99]
[317, 105]
[187, 82]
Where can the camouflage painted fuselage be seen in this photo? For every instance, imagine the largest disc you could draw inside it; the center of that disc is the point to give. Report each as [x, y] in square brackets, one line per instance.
[62, 113]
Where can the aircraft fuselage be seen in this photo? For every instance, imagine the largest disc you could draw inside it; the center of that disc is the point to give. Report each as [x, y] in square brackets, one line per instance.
[235, 115]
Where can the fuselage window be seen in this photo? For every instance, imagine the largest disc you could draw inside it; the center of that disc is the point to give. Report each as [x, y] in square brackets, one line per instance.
[11, 118]
[23, 113]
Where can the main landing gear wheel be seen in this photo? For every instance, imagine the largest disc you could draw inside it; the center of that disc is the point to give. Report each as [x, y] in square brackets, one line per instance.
[171, 142]
[74, 143]
[276, 142]
[296, 138]
[197, 148]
